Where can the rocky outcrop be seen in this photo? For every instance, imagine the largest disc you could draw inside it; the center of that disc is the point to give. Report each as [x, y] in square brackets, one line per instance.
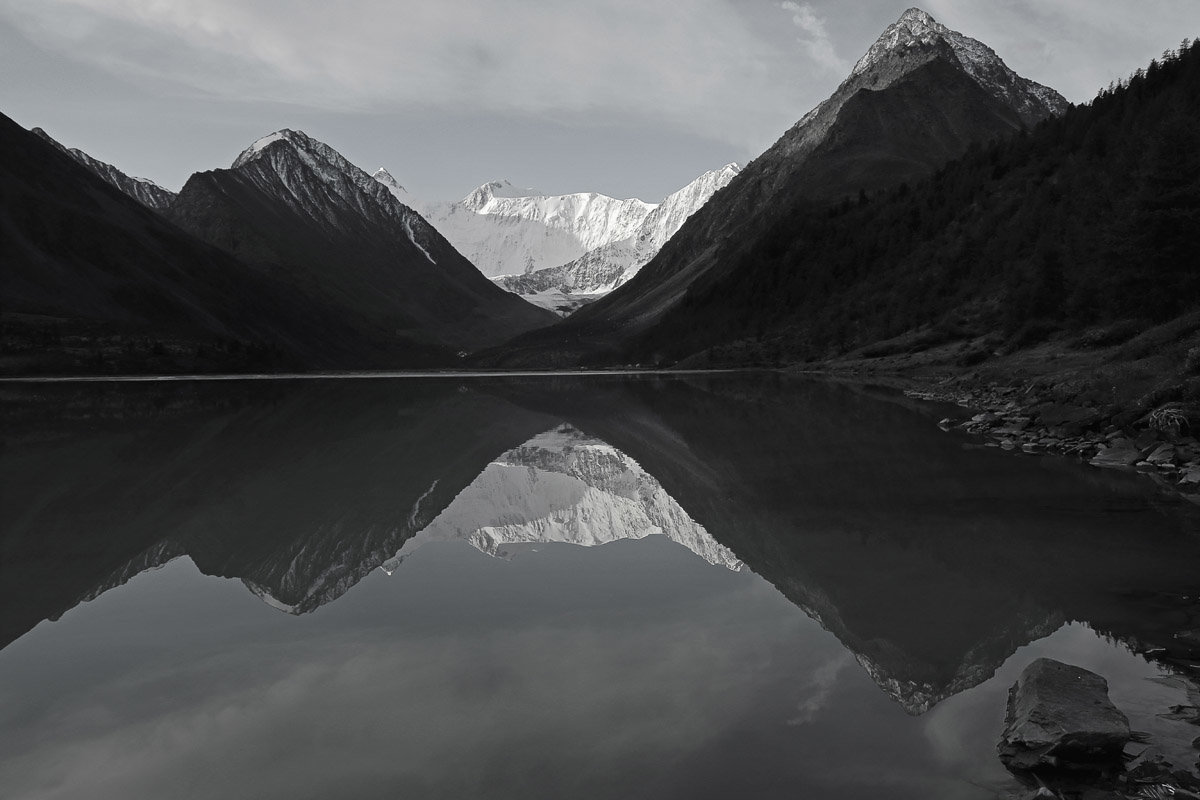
[1060, 717]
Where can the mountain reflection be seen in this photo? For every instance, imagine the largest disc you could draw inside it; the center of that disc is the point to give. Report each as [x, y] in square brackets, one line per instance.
[931, 563]
[564, 486]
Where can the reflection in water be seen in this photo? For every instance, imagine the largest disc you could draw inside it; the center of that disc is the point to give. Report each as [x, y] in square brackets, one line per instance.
[564, 486]
[931, 563]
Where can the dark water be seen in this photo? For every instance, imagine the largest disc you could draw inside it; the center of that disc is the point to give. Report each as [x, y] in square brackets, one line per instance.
[720, 586]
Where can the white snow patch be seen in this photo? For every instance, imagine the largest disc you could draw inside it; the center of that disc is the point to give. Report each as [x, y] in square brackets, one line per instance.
[412, 238]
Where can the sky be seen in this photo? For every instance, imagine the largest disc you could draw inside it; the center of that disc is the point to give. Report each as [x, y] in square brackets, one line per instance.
[632, 98]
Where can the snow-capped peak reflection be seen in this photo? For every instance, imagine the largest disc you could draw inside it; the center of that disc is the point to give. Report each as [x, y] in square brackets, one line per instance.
[564, 486]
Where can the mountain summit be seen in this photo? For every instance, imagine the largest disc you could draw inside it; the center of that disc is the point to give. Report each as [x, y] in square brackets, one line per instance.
[295, 207]
[917, 31]
[916, 100]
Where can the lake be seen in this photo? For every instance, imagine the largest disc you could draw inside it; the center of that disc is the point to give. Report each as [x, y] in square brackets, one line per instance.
[658, 586]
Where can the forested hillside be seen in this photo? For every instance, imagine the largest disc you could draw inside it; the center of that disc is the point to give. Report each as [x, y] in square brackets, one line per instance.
[1090, 218]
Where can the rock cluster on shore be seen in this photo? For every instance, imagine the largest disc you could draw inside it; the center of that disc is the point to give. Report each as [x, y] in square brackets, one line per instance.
[1157, 444]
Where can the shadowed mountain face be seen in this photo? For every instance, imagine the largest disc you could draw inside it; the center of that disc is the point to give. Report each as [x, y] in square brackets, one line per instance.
[298, 210]
[145, 191]
[916, 100]
[78, 252]
[931, 563]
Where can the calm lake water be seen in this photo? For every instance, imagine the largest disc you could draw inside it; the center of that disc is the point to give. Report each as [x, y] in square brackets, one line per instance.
[713, 586]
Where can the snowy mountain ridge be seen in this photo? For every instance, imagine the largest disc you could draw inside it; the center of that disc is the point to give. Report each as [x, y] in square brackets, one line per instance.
[504, 230]
[602, 269]
[561, 251]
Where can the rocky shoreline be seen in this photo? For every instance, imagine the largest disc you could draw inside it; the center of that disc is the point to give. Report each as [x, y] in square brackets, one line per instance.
[1157, 444]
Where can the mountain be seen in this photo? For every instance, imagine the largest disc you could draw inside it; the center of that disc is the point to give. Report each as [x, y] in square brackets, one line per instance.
[1080, 236]
[919, 97]
[145, 191]
[296, 209]
[94, 281]
[393, 186]
[564, 486]
[600, 270]
[504, 231]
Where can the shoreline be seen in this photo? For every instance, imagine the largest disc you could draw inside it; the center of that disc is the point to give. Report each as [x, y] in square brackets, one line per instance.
[1030, 423]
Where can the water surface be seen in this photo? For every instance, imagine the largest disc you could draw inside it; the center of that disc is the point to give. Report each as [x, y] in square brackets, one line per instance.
[600, 586]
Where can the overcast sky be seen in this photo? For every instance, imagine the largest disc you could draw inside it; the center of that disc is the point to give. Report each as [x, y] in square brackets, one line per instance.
[626, 97]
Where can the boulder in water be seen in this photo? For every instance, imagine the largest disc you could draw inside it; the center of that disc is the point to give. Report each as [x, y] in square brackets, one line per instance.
[1059, 716]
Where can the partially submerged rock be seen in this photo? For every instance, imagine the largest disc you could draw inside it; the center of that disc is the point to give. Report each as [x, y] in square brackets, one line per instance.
[1059, 716]
[1120, 454]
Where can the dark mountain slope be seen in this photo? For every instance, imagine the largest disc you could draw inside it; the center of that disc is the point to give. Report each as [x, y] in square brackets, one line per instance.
[145, 191]
[300, 212]
[919, 97]
[1090, 219]
[85, 265]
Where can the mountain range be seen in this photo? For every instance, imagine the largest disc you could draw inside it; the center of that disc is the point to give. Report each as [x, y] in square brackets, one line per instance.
[889, 214]
[561, 252]
[917, 99]
[291, 204]
[291, 258]
[601, 269]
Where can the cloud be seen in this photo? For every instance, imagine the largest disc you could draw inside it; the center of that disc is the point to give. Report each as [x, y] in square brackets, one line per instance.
[816, 40]
[821, 684]
[704, 68]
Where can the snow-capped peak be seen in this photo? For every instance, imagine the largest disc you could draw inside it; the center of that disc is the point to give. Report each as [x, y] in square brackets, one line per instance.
[253, 151]
[915, 27]
[503, 189]
[915, 16]
[918, 32]
[392, 185]
[563, 288]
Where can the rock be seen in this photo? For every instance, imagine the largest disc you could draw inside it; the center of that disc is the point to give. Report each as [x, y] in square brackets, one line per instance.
[1060, 716]
[1161, 455]
[1190, 476]
[1118, 455]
